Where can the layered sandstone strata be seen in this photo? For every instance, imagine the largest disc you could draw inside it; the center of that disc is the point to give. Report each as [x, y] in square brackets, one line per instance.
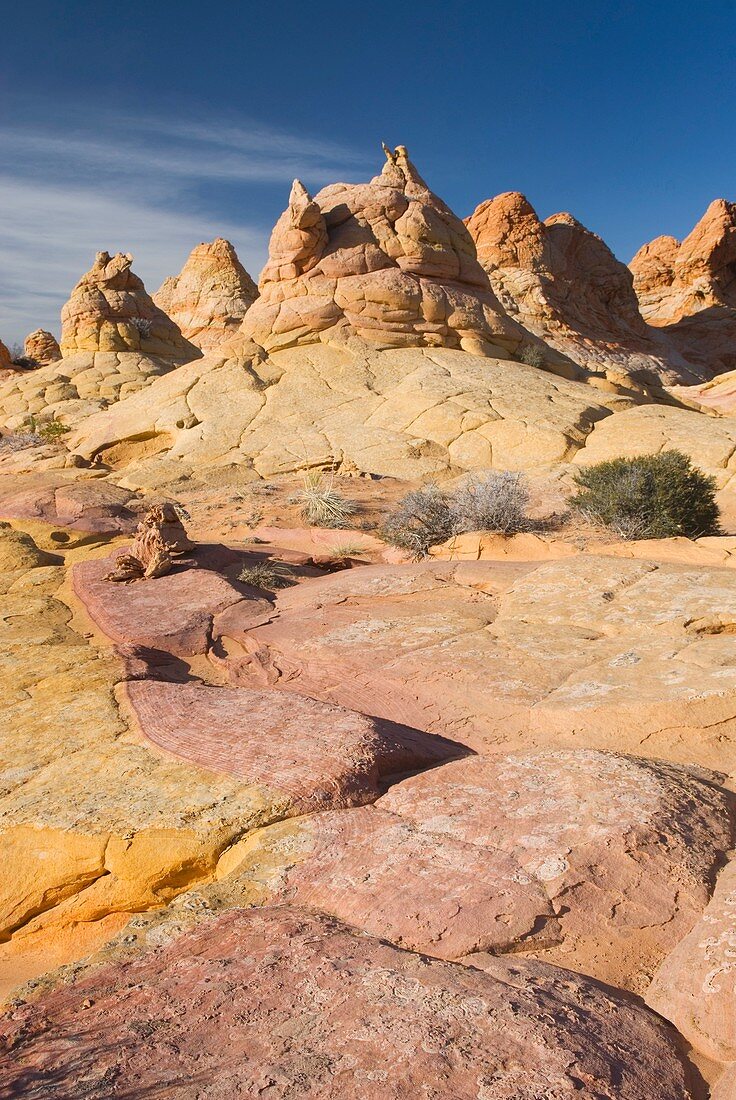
[564, 284]
[210, 296]
[110, 311]
[386, 261]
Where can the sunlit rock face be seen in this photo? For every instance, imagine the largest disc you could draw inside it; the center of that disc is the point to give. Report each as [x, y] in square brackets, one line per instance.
[110, 311]
[386, 261]
[41, 348]
[564, 284]
[210, 296]
[688, 289]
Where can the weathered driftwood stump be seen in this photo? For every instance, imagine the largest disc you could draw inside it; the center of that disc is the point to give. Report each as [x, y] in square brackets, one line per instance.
[160, 537]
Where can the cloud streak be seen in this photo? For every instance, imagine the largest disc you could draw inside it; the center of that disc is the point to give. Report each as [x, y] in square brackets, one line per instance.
[153, 186]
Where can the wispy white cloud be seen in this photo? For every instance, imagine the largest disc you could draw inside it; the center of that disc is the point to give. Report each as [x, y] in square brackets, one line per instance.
[145, 185]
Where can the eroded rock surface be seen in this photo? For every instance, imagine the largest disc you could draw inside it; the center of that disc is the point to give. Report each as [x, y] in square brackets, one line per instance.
[688, 288]
[386, 261]
[628, 655]
[696, 985]
[335, 1013]
[599, 862]
[210, 296]
[563, 284]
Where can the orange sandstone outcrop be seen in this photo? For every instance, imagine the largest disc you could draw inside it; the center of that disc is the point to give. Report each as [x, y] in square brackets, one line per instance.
[41, 347]
[6, 363]
[564, 284]
[675, 280]
[110, 311]
[386, 261]
[209, 297]
[688, 289]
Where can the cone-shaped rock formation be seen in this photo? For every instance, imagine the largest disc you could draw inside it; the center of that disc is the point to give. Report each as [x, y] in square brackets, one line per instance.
[209, 297]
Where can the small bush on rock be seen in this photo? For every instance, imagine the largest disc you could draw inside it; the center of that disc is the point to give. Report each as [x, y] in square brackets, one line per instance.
[496, 502]
[421, 519]
[651, 497]
[532, 355]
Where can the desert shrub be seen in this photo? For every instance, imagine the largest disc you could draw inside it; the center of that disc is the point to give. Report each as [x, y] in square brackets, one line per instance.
[651, 497]
[498, 501]
[421, 519]
[267, 575]
[144, 326]
[532, 355]
[52, 430]
[321, 504]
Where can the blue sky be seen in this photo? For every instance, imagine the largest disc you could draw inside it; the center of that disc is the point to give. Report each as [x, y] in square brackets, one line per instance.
[148, 127]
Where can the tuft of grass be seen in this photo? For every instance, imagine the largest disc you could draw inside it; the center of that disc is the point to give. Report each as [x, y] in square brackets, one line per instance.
[321, 504]
[267, 575]
[346, 550]
[650, 497]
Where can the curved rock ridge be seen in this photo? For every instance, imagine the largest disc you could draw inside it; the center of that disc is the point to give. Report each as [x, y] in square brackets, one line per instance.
[688, 290]
[386, 261]
[41, 348]
[110, 311]
[602, 862]
[311, 1009]
[563, 283]
[210, 296]
[695, 987]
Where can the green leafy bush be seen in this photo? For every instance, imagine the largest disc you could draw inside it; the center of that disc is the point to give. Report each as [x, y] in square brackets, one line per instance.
[651, 497]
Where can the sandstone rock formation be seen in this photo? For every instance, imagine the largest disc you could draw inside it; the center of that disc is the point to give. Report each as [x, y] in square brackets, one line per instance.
[563, 284]
[620, 654]
[335, 1014]
[688, 289]
[674, 280]
[209, 297]
[109, 310]
[386, 261]
[114, 341]
[41, 348]
[6, 363]
[402, 413]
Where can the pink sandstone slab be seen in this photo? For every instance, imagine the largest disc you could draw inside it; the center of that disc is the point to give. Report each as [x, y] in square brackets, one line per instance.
[624, 848]
[279, 1003]
[695, 986]
[172, 613]
[90, 504]
[387, 877]
[319, 755]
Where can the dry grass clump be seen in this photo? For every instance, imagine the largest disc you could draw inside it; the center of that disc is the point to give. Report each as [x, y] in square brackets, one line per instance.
[321, 504]
[649, 497]
[497, 501]
[268, 575]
